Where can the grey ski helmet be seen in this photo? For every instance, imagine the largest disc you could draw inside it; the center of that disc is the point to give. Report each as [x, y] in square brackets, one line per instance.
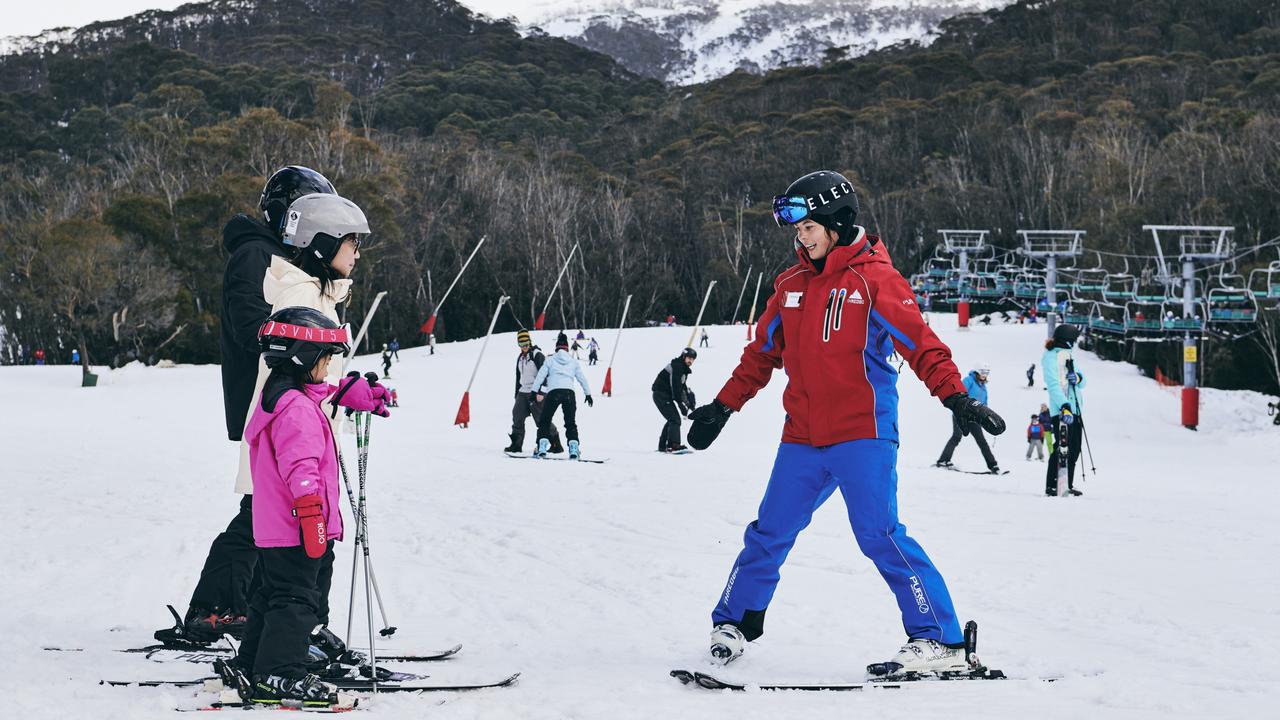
[318, 222]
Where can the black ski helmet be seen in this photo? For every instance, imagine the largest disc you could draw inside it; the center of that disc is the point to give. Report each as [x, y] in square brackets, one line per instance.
[825, 197]
[689, 353]
[286, 185]
[296, 338]
[1065, 335]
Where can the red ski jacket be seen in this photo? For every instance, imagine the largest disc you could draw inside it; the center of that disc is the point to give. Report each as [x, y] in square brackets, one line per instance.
[834, 331]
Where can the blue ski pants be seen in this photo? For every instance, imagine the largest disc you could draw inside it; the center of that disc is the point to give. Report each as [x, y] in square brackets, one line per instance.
[803, 478]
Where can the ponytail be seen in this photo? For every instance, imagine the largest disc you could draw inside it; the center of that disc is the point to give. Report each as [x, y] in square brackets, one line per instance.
[1048, 344]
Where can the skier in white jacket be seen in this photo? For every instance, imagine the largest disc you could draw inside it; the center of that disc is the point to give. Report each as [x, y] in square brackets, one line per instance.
[554, 384]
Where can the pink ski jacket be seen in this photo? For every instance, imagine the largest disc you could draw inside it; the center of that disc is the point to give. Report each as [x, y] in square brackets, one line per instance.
[292, 454]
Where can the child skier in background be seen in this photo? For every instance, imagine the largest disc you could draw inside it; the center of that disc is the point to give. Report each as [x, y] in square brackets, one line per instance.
[558, 374]
[296, 502]
[593, 352]
[1035, 438]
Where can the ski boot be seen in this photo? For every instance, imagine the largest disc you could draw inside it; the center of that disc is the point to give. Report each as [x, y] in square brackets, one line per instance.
[201, 627]
[944, 464]
[727, 643]
[922, 657]
[994, 470]
[307, 691]
[543, 446]
[234, 677]
[573, 450]
[556, 447]
[515, 446]
[332, 649]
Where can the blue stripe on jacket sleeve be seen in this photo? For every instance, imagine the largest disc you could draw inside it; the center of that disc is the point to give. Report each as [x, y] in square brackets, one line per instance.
[895, 332]
[773, 326]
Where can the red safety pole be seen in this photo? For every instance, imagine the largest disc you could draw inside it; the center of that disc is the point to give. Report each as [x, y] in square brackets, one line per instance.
[608, 371]
[463, 417]
[542, 316]
[429, 326]
[962, 312]
[751, 317]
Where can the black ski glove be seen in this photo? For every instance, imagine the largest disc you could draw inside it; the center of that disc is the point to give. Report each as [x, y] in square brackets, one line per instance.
[967, 410]
[707, 422]
[590, 402]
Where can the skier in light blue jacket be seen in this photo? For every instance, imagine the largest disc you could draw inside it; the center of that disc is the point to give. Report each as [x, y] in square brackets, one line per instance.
[554, 384]
[1065, 383]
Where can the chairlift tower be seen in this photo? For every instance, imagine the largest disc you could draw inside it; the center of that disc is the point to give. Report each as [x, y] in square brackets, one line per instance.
[1049, 245]
[961, 243]
[1196, 243]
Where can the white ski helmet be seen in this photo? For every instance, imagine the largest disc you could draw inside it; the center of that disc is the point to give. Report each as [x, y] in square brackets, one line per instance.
[319, 221]
[983, 369]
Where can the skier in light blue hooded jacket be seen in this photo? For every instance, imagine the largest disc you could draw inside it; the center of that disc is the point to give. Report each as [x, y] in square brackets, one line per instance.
[554, 384]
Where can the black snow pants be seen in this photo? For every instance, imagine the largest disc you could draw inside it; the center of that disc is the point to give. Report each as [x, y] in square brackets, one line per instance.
[957, 432]
[670, 436]
[556, 399]
[526, 406]
[230, 574]
[1075, 433]
[293, 600]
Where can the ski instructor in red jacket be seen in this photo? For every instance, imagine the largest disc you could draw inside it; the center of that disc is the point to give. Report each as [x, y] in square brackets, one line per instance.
[834, 319]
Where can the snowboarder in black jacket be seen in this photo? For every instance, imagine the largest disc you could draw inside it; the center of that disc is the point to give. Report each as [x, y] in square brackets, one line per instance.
[670, 392]
[229, 576]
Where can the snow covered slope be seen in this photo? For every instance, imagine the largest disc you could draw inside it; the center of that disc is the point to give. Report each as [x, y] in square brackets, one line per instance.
[692, 41]
[1151, 594]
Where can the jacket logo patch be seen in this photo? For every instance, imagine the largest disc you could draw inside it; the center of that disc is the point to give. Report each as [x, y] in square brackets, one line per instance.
[792, 300]
[856, 298]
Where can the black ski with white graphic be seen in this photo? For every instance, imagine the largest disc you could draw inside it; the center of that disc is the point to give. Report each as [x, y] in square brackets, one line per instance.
[163, 653]
[710, 682]
[978, 472]
[347, 684]
[258, 706]
[522, 456]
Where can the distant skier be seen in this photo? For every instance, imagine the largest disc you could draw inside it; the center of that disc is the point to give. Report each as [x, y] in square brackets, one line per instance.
[672, 397]
[386, 361]
[75, 356]
[976, 385]
[831, 322]
[528, 363]
[1064, 383]
[394, 345]
[557, 375]
[575, 348]
[1035, 438]
[1031, 375]
[704, 341]
[593, 352]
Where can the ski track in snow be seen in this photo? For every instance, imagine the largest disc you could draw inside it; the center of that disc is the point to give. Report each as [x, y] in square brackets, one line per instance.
[595, 580]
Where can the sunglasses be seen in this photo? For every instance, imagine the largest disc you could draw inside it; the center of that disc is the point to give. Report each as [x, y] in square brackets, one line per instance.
[789, 209]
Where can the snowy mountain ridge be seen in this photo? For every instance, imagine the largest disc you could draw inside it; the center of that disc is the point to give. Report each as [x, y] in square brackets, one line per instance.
[693, 41]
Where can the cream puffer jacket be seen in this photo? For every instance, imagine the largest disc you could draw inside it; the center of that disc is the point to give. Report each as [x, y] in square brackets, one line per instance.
[286, 285]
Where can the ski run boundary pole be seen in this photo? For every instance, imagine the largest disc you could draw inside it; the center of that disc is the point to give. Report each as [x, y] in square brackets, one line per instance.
[364, 327]
[429, 326]
[751, 318]
[542, 316]
[745, 282]
[464, 409]
[607, 388]
[698, 323]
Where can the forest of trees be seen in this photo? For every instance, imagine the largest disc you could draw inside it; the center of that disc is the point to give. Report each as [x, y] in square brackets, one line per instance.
[121, 160]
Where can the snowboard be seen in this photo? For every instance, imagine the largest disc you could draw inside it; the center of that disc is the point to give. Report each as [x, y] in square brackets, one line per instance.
[598, 461]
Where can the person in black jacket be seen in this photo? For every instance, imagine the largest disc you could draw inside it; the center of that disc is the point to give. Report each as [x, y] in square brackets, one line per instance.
[670, 392]
[220, 600]
[527, 366]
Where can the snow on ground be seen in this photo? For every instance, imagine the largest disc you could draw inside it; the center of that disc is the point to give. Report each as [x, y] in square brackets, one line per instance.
[1153, 594]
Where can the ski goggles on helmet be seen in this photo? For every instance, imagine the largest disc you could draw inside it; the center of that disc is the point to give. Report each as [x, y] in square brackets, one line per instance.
[790, 209]
[339, 338]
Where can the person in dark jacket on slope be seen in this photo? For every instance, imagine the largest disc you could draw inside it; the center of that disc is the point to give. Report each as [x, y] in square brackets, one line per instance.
[672, 397]
[220, 600]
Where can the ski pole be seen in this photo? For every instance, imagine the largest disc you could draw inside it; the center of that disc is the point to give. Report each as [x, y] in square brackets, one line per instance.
[1084, 430]
[387, 628]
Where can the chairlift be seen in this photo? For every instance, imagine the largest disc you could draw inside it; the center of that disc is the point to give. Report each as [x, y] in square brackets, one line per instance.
[1078, 313]
[1143, 321]
[1027, 284]
[1231, 303]
[1120, 288]
[1265, 282]
[1175, 320]
[1107, 318]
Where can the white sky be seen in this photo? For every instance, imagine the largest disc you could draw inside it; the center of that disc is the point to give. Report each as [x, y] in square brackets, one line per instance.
[27, 17]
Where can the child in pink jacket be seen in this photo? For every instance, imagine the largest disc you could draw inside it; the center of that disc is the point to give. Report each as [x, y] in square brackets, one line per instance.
[296, 501]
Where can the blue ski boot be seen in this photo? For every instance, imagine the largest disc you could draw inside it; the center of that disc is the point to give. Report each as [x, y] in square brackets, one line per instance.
[543, 446]
[573, 450]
